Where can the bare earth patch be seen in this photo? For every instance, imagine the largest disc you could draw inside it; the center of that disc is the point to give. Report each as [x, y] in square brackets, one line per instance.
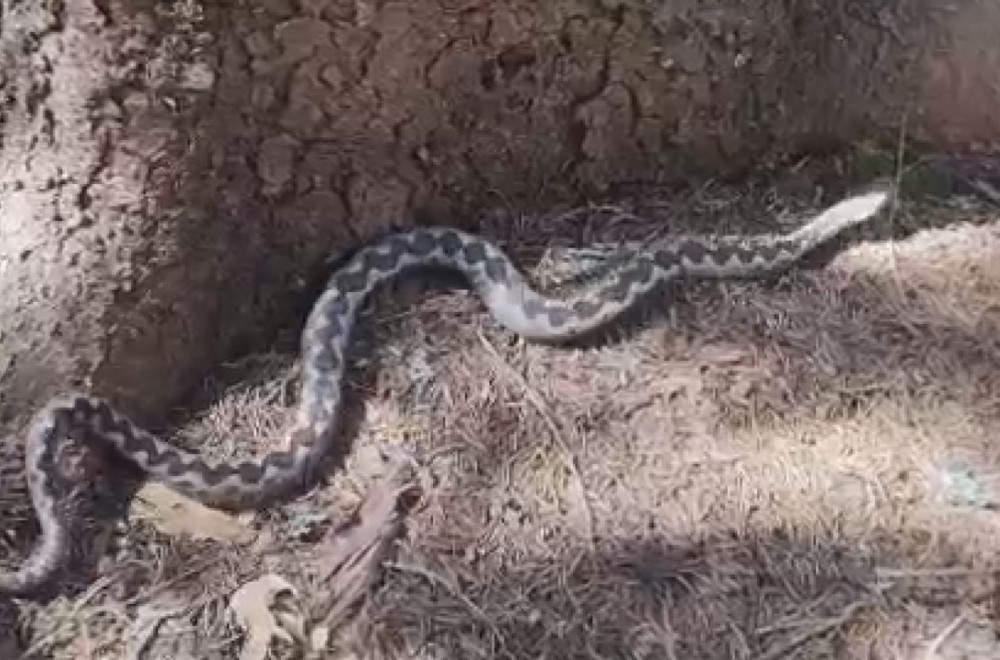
[799, 469]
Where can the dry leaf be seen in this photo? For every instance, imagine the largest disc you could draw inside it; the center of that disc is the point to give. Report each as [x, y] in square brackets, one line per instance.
[146, 625]
[353, 553]
[265, 609]
[176, 515]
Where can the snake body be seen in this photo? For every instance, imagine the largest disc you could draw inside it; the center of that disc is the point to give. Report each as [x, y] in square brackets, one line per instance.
[506, 294]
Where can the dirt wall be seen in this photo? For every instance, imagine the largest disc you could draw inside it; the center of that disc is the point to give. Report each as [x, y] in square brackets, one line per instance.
[171, 171]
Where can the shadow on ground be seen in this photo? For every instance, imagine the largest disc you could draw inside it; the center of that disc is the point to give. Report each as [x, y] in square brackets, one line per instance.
[751, 596]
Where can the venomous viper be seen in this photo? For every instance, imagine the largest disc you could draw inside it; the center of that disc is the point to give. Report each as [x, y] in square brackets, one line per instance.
[506, 294]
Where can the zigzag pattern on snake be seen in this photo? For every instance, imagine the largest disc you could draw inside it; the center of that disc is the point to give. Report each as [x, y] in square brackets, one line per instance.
[507, 296]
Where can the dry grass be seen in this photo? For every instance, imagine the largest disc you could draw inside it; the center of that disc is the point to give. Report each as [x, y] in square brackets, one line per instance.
[798, 470]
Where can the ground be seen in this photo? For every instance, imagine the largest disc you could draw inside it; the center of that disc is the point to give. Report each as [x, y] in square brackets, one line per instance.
[173, 171]
[799, 468]
[794, 469]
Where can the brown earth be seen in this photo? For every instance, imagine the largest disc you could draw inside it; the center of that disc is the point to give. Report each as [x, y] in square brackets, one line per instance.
[174, 173]
[803, 469]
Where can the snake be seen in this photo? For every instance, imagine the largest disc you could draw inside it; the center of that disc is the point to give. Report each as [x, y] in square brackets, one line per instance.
[311, 438]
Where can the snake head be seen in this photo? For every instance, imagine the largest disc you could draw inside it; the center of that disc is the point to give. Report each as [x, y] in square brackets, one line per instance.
[78, 464]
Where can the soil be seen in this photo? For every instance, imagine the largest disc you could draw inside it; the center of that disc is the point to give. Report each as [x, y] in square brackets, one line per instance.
[176, 175]
[795, 469]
